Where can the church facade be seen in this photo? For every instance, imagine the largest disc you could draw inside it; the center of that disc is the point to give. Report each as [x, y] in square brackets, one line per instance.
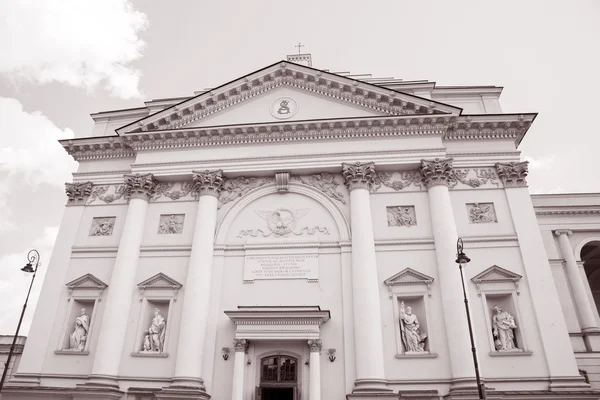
[292, 234]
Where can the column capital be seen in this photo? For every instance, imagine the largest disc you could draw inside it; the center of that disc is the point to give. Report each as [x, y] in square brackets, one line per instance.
[315, 345]
[208, 182]
[513, 174]
[241, 344]
[436, 172]
[358, 175]
[78, 192]
[139, 186]
[559, 232]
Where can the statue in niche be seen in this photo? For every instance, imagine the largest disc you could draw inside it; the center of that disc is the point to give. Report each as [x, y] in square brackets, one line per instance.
[154, 336]
[503, 329]
[412, 338]
[79, 336]
[480, 214]
[401, 216]
[102, 227]
[171, 224]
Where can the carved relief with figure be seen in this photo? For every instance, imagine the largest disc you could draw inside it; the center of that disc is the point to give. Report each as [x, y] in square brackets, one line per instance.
[482, 213]
[171, 224]
[401, 216]
[282, 222]
[102, 226]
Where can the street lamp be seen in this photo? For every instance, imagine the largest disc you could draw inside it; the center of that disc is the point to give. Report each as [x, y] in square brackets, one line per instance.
[462, 259]
[33, 257]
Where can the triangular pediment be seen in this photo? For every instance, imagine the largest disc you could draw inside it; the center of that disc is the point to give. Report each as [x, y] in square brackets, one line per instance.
[408, 276]
[253, 98]
[496, 274]
[87, 281]
[160, 281]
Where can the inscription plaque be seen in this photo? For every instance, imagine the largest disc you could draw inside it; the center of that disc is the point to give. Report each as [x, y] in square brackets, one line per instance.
[281, 266]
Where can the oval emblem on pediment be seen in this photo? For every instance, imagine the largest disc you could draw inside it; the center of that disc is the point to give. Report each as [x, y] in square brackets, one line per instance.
[284, 108]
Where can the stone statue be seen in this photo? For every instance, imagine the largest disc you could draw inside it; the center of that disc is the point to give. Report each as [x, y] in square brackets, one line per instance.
[79, 336]
[479, 214]
[154, 338]
[412, 338]
[503, 326]
[103, 227]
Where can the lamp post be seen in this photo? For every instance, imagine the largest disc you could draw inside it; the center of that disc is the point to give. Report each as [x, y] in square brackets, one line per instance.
[33, 257]
[461, 258]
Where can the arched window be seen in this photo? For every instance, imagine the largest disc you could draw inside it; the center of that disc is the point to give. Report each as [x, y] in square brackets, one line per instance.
[590, 255]
[279, 369]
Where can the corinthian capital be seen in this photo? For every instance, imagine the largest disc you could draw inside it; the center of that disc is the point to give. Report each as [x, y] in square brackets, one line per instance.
[208, 182]
[513, 174]
[140, 186]
[358, 175]
[240, 344]
[436, 172]
[559, 232]
[78, 192]
[315, 345]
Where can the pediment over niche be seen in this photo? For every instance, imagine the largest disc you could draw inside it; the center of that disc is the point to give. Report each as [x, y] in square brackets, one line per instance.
[331, 88]
[496, 274]
[86, 282]
[409, 276]
[160, 281]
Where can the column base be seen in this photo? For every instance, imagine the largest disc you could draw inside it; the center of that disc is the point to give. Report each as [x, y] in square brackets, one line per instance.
[95, 390]
[591, 338]
[182, 392]
[371, 386]
[568, 384]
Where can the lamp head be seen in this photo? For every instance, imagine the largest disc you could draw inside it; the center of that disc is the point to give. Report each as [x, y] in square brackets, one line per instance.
[461, 257]
[28, 268]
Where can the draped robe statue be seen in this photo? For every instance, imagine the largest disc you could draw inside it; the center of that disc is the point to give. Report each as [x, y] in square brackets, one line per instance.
[154, 339]
[78, 338]
[412, 338]
[503, 326]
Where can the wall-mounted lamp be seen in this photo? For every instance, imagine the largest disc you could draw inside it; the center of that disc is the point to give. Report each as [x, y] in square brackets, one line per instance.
[332, 355]
[225, 353]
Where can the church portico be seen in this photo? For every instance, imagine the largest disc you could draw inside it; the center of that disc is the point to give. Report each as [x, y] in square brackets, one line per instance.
[291, 235]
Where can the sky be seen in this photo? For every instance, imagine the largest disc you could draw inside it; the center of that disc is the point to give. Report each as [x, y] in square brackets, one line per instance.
[61, 60]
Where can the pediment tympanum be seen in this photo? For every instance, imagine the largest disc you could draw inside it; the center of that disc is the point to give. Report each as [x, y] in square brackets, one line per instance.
[283, 87]
[496, 274]
[87, 282]
[160, 281]
[409, 276]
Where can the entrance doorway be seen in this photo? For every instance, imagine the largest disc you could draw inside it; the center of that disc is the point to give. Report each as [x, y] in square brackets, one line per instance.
[278, 393]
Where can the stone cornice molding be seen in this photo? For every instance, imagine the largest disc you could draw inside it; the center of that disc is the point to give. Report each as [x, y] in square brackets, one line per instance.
[139, 186]
[315, 345]
[559, 232]
[540, 210]
[208, 183]
[513, 174]
[322, 83]
[436, 172]
[359, 175]
[78, 193]
[490, 126]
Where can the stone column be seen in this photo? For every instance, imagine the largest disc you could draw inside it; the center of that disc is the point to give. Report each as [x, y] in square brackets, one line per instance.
[368, 339]
[436, 175]
[194, 317]
[582, 303]
[562, 366]
[237, 391]
[315, 369]
[115, 319]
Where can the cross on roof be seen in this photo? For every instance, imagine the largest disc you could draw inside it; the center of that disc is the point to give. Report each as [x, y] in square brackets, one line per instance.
[299, 45]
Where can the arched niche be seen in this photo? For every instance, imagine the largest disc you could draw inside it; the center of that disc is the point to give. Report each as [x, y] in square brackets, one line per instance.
[589, 254]
[254, 212]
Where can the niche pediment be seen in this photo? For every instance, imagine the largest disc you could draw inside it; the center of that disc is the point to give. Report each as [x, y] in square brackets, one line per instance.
[409, 276]
[496, 274]
[87, 282]
[160, 281]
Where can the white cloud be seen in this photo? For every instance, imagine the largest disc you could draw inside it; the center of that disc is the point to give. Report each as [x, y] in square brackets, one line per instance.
[545, 162]
[83, 43]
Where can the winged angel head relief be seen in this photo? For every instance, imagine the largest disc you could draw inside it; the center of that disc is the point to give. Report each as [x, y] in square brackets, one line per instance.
[283, 222]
